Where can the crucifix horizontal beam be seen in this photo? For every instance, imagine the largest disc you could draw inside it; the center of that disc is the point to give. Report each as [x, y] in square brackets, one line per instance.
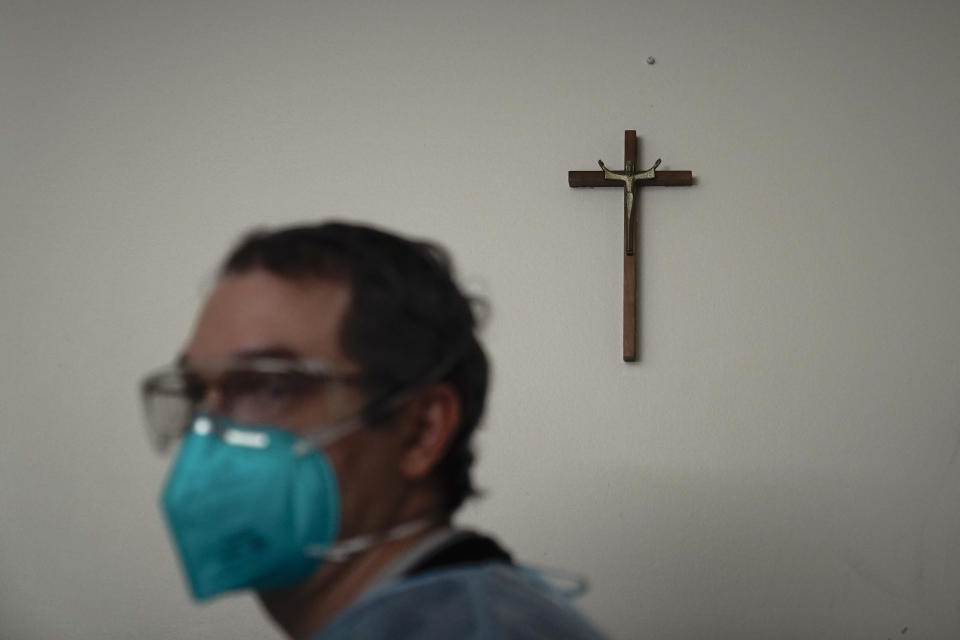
[630, 180]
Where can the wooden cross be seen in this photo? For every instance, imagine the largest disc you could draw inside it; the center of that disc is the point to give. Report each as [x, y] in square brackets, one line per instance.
[630, 180]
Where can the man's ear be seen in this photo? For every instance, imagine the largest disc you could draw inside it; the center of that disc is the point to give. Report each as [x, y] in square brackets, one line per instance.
[436, 418]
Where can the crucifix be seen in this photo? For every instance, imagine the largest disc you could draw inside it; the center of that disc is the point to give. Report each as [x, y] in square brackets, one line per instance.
[630, 180]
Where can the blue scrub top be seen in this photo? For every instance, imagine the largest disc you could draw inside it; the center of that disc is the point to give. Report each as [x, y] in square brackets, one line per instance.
[476, 602]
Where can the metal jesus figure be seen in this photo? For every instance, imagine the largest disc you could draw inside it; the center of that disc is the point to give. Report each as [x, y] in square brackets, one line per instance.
[631, 181]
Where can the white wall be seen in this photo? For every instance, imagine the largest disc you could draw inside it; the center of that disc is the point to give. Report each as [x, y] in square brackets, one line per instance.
[783, 461]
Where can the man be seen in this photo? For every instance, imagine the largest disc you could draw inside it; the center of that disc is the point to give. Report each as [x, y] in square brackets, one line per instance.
[324, 407]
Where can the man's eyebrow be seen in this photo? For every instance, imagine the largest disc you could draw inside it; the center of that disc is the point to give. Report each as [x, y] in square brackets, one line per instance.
[273, 351]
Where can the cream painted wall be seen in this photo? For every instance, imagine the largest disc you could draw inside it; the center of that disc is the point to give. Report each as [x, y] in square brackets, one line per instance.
[781, 464]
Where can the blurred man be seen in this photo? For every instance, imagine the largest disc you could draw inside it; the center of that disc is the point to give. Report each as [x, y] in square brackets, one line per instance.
[324, 407]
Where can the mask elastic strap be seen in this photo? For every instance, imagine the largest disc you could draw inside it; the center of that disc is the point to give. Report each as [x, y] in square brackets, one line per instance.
[325, 436]
[343, 550]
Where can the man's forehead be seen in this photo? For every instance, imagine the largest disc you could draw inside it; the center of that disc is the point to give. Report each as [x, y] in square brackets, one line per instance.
[271, 352]
[257, 311]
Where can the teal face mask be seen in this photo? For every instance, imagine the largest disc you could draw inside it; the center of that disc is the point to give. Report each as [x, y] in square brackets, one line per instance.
[246, 505]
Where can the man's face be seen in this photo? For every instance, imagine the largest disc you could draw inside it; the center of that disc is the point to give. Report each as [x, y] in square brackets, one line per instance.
[257, 312]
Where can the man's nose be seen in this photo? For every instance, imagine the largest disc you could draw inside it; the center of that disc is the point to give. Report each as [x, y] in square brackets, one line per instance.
[214, 402]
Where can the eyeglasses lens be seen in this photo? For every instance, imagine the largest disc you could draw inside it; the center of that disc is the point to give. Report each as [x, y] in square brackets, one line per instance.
[169, 407]
[244, 394]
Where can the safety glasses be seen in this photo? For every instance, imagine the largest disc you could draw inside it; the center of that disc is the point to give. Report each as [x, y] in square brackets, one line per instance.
[254, 391]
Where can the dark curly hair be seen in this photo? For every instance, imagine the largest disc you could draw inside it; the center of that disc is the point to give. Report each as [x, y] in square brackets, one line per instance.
[408, 323]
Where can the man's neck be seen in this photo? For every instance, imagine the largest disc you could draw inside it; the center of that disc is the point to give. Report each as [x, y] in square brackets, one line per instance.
[306, 608]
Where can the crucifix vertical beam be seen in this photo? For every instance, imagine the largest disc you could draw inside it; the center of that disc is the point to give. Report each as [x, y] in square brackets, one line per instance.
[630, 180]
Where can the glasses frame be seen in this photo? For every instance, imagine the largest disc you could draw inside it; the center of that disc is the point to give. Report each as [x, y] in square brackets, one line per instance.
[152, 386]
